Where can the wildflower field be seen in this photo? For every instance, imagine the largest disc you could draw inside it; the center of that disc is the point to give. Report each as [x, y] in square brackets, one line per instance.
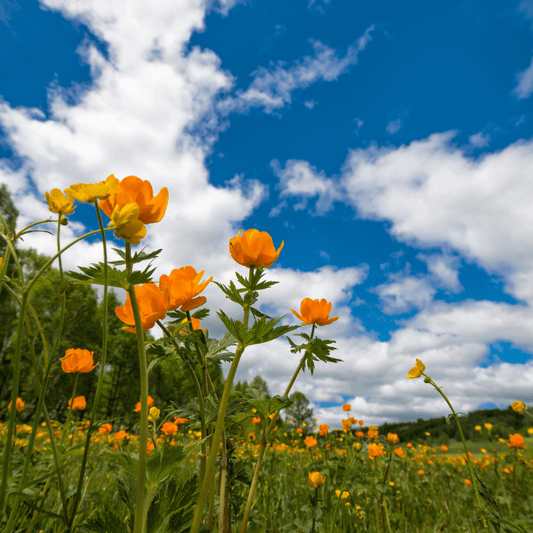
[228, 460]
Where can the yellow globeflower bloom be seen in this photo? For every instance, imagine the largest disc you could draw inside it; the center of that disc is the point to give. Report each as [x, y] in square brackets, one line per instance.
[59, 203]
[127, 224]
[90, 192]
[417, 370]
[316, 480]
[518, 406]
[345, 494]
[488, 426]
[154, 413]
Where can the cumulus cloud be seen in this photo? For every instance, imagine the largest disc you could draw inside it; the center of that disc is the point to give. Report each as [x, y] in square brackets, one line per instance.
[444, 270]
[272, 87]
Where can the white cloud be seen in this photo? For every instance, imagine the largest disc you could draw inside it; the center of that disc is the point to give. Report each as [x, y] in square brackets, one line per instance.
[300, 179]
[309, 104]
[393, 126]
[525, 83]
[358, 123]
[479, 140]
[272, 88]
[404, 293]
[444, 270]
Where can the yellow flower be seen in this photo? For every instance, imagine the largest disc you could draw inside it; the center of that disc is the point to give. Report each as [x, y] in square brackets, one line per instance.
[518, 406]
[127, 224]
[77, 360]
[417, 370]
[315, 312]
[59, 203]
[478, 428]
[345, 494]
[488, 426]
[316, 480]
[153, 414]
[254, 249]
[90, 192]
[530, 431]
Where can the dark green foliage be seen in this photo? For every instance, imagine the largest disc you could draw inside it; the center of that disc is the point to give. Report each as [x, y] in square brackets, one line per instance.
[299, 412]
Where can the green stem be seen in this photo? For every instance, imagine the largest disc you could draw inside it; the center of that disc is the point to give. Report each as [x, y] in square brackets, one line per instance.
[340, 494]
[204, 488]
[468, 462]
[66, 427]
[139, 519]
[100, 384]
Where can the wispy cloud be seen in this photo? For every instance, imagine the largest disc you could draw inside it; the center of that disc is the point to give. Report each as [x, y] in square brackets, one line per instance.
[394, 126]
[525, 83]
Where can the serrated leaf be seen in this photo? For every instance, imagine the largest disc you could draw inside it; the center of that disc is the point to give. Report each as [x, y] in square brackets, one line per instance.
[95, 275]
[137, 256]
[161, 463]
[231, 292]
[107, 522]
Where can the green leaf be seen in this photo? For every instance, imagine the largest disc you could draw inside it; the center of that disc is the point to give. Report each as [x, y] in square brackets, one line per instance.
[107, 522]
[162, 462]
[216, 350]
[231, 292]
[137, 256]
[264, 330]
[94, 275]
[265, 406]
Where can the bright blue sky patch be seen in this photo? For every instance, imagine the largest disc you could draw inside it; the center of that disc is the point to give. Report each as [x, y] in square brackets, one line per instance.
[388, 145]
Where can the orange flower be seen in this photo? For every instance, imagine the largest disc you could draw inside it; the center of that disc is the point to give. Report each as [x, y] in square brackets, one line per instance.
[19, 405]
[516, 441]
[254, 249]
[169, 428]
[316, 480]
[89, 192]
[392, 438]
[251, 436]
[153, 305]
[444, 448]
[137, 408]
[149, 447]
[375, 450]
[346, 422]
[105, 428]
[323, 429]
[373, 432]
[195, 325]
[256, 420]
[519, 406]
[468, 482]
[315, 312]
[181, 420]
[298, 430]
[183, 286]
[133, 190]
[399, 452]
[360, 434]
[120, 435]
[79, 403]
[346, 407]
[421, 472]
[77, 360]
[59, 203]
[310, 441]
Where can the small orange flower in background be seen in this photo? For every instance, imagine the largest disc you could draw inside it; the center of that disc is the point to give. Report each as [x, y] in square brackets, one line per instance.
[59, 203]
[417, 370]
[392, 438]
[195, 325]
[516, 441]
[310, 441]
[183, 286]
[180, 420]
[105, 428]
[77, 360]
[254, 249]
[169, 428]
[444, 448]
[120, 435]
[360, 434]
[79, 403]
[468, 482]
[375, 450]
[346, 407]
[133, 190]
[421, 472]
[89, 192]
[373, 432]
[315, 312]
[149, 447]
[137, 408]
[153, 305]
[19, 405]
[316, 480]
[299, 430]
[323, 429]
[519, 407]
[409, 445]
[256, 420]
[399, 452]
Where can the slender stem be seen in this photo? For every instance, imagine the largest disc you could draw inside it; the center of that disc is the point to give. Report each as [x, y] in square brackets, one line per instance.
[340, 494]
[99, 386]
[204, 488]
[139, 519]
[66, 427]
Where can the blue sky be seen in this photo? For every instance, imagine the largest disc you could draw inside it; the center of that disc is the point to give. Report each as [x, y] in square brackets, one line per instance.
[389, 145]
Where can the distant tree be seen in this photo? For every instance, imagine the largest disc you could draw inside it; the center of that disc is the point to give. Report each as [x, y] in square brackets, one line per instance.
[299, 412]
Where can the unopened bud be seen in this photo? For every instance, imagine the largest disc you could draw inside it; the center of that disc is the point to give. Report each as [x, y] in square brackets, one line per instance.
[427, 379]
[64, 221]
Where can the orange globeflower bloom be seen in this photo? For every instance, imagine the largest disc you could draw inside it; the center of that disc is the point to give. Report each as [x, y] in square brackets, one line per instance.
[169, 428]
[298, 430]
[399, 452]
[392, 438]
[315, 312]
[19, 405]
[59, 203]
[375, 450]
[77, 360]
[89, 192]
[137, 408]
[519, 406]
[310, 441]
[346, 407]
[183, 286]
[120, 435]
[360, 434]
[444, 448]
[79, 403]
[516, 441]
[181, 420]
[316, 480]
[153, 305]
[105, 428]
[256, 420]
[468, 482]
[254, 249]
[133, 190]
[323, 429]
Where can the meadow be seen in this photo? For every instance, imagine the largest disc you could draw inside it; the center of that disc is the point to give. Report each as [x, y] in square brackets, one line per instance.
[228, 459]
